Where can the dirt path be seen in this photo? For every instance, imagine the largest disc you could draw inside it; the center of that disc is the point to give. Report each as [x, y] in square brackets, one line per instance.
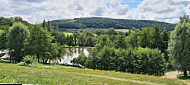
[172, 74]
[119, 79]
[169, 75]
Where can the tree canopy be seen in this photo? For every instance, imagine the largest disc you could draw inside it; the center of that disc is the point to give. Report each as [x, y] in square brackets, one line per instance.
[179, 46]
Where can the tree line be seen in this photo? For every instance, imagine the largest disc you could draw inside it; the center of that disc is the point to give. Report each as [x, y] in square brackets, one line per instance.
[143, 51]
[104, 23]
[146, 52]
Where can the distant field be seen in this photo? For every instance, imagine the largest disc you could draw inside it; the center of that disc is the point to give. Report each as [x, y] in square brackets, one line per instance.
[122, 30]
[69, 34]
[59, 75]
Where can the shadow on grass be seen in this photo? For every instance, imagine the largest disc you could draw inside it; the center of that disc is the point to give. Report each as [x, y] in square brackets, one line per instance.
[181, 76]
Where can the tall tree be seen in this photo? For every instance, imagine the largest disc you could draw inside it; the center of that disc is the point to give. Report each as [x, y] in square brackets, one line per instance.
[75, 36]
[16, 40]
[49, 27]
[179, 47]
[145, 37]
[165, 38]
[134, 38]
[44, 24]
[70, 40]
[184, 19]
[156, 41]
[39, 42]
[3, 38]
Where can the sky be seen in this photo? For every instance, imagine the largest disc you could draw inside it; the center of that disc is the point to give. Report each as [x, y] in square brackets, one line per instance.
[35, 11]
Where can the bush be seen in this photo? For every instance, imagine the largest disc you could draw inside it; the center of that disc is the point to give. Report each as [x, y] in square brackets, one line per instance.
[82, 59]
[22, 64]
[141, 60]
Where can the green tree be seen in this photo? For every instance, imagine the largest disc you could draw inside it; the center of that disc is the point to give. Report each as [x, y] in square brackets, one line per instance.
[81, 39]
[3, 38]
[104, 59]
[76, 35]
[104, 41]
[145, 37]
[70, 40]
[134, 38]
[39, 42]
[49, 27]
[111, 31]
[120, 42]
[156, 41]
[89, 42]
[44, 24]
[184, 19]
[179, 46]
[16, 40]
[82, 59]
[165, 38]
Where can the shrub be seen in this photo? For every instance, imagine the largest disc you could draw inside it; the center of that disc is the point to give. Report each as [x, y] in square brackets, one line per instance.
[141, 60]
[82, 59]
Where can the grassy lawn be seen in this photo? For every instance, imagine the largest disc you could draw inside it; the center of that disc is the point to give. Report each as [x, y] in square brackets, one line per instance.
[186, 79]
[12, 73]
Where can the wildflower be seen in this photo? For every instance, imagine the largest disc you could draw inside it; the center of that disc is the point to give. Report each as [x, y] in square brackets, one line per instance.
[150, 76]
[67, 73]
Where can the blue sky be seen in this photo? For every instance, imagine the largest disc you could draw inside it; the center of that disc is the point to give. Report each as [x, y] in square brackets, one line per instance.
[132, 3]
[35, 11]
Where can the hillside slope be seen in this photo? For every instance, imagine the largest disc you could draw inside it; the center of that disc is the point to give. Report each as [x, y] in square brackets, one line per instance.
[12, 73]
[98, 22]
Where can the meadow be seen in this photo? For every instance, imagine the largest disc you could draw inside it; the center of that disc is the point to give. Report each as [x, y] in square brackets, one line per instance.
[40, 74]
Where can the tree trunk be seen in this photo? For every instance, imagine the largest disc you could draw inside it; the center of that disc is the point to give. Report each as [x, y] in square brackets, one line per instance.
[185, 73]
[38, 58]
[10, 58]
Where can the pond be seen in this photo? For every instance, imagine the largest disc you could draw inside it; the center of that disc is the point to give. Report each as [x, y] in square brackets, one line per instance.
[69, 53]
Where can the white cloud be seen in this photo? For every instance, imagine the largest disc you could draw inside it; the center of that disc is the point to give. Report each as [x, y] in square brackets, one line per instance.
[35, 11]
[162, 10]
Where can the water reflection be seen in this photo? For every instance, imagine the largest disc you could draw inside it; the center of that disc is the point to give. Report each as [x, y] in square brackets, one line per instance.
[70, 53]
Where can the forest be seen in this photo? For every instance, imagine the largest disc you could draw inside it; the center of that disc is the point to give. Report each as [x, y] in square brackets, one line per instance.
[148, 50]
[105, 23]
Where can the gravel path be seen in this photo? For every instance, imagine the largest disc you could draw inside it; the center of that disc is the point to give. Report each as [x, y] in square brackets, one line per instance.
[172, 74]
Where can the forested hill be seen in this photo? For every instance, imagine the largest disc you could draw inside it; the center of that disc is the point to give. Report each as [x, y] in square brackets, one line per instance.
[98, 22]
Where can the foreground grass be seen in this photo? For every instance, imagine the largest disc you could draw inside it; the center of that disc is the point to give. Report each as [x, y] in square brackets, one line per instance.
[185, 79]
[12, 73]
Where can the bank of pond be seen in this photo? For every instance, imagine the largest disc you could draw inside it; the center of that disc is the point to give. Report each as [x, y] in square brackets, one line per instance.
[69, 53]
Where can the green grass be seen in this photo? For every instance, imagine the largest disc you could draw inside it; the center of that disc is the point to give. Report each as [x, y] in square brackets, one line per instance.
[59, 75]
[181, 76]
[185, 79]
